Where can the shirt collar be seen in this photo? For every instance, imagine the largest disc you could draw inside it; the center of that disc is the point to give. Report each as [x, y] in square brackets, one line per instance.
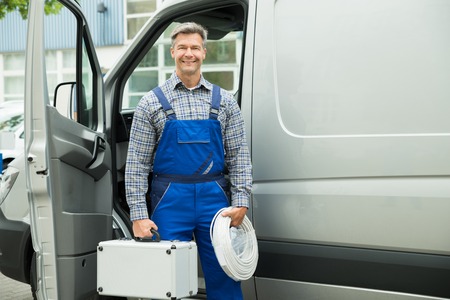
[174, 82]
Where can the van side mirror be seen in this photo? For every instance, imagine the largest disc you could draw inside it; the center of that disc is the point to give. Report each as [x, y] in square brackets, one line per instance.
[65, 100]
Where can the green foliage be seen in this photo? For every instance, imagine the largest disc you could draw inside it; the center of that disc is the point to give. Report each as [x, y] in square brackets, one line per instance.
[12, 123]
[6, 6]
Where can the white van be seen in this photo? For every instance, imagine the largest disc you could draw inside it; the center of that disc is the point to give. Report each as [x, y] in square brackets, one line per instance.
[347, 108]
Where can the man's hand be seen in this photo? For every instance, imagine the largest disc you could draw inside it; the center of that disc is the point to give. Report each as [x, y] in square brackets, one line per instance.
[236, 214]
[141, 228]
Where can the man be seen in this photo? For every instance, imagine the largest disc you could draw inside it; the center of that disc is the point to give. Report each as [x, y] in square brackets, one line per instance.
[186, 131]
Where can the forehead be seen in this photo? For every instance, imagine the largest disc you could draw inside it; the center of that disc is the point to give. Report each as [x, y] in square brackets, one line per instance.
[188, 38]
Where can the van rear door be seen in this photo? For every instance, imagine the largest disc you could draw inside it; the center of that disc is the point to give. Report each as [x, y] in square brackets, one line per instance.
[68, 157]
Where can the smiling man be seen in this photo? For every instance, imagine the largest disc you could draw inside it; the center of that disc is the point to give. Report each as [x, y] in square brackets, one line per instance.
[188, 132]
[188, 51]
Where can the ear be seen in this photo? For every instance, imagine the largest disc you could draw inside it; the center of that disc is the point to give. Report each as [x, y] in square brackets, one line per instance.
[204, 53]
[172, 51]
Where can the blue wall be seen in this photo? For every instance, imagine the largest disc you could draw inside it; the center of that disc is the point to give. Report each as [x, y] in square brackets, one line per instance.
[106, 28]
[12, 33]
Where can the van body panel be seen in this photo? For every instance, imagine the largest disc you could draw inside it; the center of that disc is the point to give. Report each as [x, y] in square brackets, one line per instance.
[41, 211]
[350, 141]
[383, 270]
[386, 213]
[270, 289]
[330, 184]
[338, 93]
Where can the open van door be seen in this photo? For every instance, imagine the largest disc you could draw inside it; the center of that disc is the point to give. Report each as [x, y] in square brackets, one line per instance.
[68, 163]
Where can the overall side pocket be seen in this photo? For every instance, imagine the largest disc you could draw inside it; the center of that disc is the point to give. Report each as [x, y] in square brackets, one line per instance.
[224, 185]
[159, 189]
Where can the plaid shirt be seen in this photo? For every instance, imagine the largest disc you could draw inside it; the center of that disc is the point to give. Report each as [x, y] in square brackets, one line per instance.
[148, 123]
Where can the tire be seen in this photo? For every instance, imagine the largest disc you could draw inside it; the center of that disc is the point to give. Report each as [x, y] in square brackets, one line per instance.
[33, 277]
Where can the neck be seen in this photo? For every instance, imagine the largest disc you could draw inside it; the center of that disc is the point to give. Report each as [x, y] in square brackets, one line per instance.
[189, 80]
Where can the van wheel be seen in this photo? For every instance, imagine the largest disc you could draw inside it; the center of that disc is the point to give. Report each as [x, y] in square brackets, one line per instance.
[33, 278]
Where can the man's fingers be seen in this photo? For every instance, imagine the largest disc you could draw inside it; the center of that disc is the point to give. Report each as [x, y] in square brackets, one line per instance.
[237, 215]
[142, 228]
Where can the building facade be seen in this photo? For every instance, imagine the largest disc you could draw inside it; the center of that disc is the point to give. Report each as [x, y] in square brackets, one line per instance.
[113, 24]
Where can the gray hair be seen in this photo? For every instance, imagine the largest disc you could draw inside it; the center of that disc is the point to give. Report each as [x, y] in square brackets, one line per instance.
[189, 28]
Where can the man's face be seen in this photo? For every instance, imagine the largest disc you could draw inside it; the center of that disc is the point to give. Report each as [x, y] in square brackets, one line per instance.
[188, 53]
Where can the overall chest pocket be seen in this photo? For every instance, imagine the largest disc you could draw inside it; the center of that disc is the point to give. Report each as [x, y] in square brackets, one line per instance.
[193, 135]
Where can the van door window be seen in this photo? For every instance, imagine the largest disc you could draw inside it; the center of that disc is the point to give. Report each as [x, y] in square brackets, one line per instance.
[61, 68]
[85, 107]
[138, 12]
[222, 65]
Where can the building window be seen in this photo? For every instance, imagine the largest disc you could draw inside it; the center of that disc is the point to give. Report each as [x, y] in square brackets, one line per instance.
[138, 12]
[13, 76]
[14, 86]
[221, 66]
[60, 66]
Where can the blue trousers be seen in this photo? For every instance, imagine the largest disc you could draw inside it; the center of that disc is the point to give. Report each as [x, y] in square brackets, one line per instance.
[181, 210]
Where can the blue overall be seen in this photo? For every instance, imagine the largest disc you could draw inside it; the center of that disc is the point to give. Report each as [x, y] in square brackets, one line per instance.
[189, 187]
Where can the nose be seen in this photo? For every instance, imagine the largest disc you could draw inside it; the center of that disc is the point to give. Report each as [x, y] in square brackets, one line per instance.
[188, 52]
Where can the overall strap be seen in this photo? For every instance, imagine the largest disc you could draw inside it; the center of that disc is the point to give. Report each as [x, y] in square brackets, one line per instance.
[215, 102]
[165, 103]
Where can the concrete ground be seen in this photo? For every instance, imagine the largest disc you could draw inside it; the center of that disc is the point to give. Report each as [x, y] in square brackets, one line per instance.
[14, 290]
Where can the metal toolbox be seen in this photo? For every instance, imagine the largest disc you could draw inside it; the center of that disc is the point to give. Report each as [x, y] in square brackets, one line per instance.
[156, 270]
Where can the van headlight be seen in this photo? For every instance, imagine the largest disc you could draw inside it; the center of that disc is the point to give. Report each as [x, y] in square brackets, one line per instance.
[7, 181]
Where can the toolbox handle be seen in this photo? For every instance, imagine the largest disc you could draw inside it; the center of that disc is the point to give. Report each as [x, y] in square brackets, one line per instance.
[155, 238]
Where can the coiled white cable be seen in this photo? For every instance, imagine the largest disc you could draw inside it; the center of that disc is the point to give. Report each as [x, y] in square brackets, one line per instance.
[235, 249]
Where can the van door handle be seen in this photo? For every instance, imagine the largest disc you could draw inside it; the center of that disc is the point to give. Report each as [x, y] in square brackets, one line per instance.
[99, 146]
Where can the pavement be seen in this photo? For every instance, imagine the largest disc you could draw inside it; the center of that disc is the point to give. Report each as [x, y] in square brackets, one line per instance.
[14, 290]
